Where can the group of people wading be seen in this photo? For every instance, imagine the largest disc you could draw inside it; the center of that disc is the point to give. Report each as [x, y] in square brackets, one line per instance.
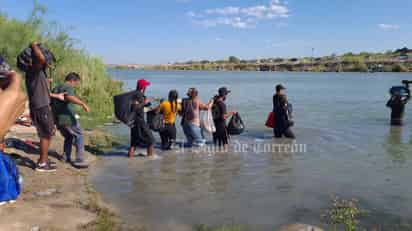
[189, 109]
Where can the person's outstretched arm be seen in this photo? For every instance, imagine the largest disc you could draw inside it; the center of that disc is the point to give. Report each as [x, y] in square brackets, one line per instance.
[206, 107]
[75, 100]
[12, 102]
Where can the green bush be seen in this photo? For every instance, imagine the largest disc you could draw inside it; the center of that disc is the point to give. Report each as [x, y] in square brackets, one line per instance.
[97, 88]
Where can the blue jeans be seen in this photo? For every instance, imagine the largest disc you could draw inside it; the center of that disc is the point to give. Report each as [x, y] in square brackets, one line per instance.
[73, 134]
[194, 134]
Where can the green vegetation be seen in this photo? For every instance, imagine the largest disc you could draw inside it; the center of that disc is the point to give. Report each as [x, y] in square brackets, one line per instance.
[345, 214]
[391, 61]
[105, 219]
[97, 87]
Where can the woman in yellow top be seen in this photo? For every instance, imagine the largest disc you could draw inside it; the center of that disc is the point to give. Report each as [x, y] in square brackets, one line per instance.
[169, 109]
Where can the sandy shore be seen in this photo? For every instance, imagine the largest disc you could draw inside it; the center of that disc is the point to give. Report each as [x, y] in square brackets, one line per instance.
[63, 200]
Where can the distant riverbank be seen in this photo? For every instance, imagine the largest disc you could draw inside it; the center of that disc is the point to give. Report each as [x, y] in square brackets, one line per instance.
[399, 60]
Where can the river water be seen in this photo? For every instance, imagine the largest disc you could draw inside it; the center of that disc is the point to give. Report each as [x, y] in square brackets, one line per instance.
[341, 121]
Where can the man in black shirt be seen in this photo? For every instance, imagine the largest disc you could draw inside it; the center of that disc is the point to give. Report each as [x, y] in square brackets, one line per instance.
[397, 104]
[283, 122]
[39, 102]
[141, 133]
[220, 115]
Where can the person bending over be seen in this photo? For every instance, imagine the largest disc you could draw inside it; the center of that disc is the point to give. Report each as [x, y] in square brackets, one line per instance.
[283, 121]
[141, 133]
[67, 124]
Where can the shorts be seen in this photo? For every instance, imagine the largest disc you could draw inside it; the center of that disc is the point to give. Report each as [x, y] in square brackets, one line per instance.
[43, 121]
[141, 135]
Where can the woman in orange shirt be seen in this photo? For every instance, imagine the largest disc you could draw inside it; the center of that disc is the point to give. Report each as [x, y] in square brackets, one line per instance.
[169, 109]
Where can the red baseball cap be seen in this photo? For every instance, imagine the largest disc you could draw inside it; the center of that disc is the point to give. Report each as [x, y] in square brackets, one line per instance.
[142, 84]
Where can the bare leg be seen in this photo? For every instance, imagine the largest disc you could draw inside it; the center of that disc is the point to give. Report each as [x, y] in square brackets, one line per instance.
[44, 150]
[150, 150]
[132, 151]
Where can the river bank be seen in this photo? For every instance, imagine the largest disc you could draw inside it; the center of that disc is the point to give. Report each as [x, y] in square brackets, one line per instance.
[63, 200]
[391, 61]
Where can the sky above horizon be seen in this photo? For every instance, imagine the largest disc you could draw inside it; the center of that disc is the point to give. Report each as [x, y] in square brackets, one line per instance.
[162, 31]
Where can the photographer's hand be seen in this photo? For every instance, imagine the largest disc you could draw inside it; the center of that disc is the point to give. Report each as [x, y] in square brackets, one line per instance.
[12, 102]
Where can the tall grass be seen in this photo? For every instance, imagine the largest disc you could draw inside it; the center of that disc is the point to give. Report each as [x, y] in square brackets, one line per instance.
[97, 88]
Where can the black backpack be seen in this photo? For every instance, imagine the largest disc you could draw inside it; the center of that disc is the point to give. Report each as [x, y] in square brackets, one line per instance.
[25, 58]
[236, 125]
[156, 121]
[123, 108]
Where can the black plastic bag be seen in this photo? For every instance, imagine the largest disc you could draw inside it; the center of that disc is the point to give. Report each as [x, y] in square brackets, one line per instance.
[25, 58]
[236, 125]
[156, 121]
[123, 108]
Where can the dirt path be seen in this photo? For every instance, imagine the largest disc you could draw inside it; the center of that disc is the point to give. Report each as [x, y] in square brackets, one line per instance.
[52, 201]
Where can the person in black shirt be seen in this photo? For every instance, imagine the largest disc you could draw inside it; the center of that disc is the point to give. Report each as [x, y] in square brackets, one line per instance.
[141, 133]
[220, 115]
[39, 94]
[397, 104]
[282, 116]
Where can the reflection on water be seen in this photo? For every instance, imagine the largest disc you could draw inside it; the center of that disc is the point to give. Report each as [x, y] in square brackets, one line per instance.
[396, 146]
[350, 151]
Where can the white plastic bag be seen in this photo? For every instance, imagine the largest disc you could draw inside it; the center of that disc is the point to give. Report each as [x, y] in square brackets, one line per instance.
[207, 122]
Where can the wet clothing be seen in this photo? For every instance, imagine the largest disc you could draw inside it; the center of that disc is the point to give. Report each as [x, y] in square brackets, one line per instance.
[397, 104]
[220, 137]
[168, 113]
[168, 136]
[37, 89]
[194, 134]
[140, 134]
[43, 121]
[283, 122]
[64, 111]
[191, 122]
[73, 134]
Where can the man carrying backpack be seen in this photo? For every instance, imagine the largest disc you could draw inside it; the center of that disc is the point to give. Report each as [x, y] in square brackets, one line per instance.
[37, 85]
[140, 133]
[281, 109]
[66, 121]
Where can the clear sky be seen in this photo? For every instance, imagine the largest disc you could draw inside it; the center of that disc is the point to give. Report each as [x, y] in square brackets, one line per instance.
[161, 31]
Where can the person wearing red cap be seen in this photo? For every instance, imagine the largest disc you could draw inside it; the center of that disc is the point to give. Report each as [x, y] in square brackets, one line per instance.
[141, 133]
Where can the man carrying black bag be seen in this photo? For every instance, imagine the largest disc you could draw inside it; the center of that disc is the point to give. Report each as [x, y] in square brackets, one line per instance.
[140, 132]
[38, 90]
[281, 109]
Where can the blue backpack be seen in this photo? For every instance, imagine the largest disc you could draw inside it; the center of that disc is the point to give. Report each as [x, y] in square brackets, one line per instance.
[9, 179]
